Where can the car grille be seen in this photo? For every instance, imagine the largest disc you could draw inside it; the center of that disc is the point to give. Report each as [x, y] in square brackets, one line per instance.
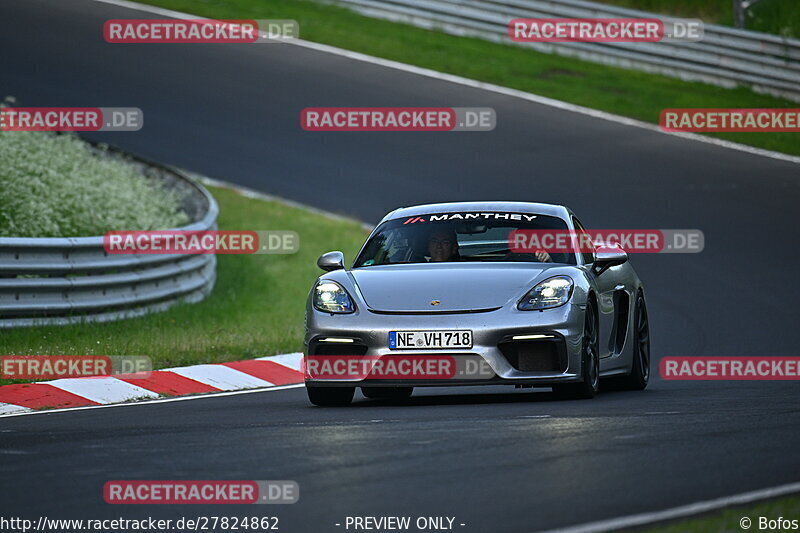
[535, 356]
[331, 348]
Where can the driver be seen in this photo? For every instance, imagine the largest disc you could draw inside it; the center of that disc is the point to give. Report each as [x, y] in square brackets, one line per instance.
[443, 245]
[542, 256]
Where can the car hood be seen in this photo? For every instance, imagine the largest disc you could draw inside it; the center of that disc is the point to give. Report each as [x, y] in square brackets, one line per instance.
[458, 287]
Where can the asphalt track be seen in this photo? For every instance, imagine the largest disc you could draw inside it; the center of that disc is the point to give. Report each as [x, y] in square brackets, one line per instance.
[496, 460]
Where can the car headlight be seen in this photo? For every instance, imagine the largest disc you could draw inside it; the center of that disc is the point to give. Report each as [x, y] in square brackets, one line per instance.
[549, 293]
[330, 297]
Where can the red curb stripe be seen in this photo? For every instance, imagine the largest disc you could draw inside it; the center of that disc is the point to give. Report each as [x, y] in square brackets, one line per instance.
[169, 383]
[268, 371]
[39, 395]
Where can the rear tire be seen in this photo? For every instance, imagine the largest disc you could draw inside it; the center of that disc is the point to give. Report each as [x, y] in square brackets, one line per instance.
[330, 396]
[590, 362]
[387, 393]
[640, 369]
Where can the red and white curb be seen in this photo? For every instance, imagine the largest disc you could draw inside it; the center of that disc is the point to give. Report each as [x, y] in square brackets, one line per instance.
[259, 373]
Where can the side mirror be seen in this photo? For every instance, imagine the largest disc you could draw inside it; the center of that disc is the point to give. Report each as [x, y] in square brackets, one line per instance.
[607, 257]
[331, 261]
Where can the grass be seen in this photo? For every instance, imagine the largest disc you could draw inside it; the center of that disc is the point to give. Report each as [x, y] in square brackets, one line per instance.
[624, 92]
[256, 308]
[781, 17]
[728, 520]
[51, 185]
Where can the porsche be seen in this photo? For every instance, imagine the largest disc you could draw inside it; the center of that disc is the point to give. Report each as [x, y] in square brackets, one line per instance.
[445, 282]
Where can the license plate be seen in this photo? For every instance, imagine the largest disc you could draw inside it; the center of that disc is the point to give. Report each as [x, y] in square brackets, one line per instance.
[409, 340]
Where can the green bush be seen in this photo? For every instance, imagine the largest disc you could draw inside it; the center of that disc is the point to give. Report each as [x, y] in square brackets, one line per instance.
[59, 186]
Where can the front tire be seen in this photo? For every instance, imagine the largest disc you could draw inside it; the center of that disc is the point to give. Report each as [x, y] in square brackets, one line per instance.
[387, 393]
[640, 368]
[330, 396]
[590, 362]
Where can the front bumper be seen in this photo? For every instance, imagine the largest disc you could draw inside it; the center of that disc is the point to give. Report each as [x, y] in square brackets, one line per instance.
[550, 355]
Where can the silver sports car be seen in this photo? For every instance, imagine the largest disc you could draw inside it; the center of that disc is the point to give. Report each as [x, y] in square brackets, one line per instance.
[442, 294]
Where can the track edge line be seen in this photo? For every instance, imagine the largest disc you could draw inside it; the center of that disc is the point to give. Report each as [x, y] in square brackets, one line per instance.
[682, 511]
[506, 91]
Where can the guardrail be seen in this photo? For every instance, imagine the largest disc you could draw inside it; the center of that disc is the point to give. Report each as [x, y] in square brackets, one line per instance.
[726, 56]
[68, 280]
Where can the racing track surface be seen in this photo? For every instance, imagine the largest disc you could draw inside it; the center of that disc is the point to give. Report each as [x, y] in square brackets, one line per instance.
[489, 457]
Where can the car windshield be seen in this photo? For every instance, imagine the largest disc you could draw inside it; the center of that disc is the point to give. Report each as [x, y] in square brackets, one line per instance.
[457, 237]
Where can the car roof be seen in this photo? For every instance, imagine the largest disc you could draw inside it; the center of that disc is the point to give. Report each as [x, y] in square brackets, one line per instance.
[489, 207]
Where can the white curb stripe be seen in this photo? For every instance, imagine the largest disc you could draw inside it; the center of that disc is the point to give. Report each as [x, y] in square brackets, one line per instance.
[102, 390]
[109, 390]
[155, 402]
[7, 409]
[550, 102]
[290, 360]
[221, 377]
